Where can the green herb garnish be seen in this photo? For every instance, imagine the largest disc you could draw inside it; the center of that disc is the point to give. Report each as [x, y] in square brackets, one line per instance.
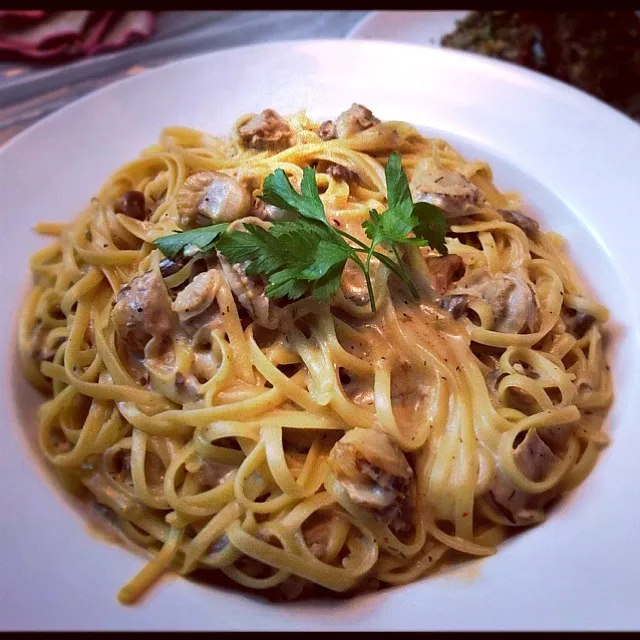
[201, 240]
[308, 255]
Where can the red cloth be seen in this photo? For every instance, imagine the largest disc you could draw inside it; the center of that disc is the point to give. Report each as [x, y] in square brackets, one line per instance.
[53, 34]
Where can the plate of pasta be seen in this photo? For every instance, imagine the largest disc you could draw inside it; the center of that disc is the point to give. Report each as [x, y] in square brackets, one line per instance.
[289, 349]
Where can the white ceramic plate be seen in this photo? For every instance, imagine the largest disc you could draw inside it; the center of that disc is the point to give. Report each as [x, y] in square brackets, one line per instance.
[576, 162]
[411, 27]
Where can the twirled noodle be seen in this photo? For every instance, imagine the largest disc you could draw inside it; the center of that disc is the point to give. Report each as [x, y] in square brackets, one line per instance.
[335, 447]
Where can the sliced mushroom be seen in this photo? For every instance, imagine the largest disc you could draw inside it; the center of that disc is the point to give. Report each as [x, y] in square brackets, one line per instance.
[444, 271]
[327, 130]
[197, 296]
[211, 196]
[168, 266]
[580, 323]
[535, 460]
[250, 291]
[456, 305]
[358, 389]
[375, 473]
[172, 384]
[516, 398]
[269, 212]
[212, 473]
[448, 190]
[522, 221]
[131, 204]
[343, 174]
[510, 297]
[556, 437]
[354, 285]
[317, 535]
[143, 312]
[266, 131]
[354, 120]
[154, 469]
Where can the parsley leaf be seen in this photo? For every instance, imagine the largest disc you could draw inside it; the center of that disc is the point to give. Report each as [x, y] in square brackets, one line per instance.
[403, 217]
[258, 246]
[310, 253]
[307, 255]
[203, 239]
[398, 221]
[328, 254]
[278, 191]
[327, 286]
[285, 284]
[398, 192]
[294, 255]
[432, 226]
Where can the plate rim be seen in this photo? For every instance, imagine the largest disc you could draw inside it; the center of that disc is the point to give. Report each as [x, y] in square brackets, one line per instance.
[472, 57]
[42, 124]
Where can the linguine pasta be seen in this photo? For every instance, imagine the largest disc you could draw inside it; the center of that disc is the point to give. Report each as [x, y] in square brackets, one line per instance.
[291, 444]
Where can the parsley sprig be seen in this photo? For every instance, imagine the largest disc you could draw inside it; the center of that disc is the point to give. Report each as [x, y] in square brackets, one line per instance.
[187, 243]
[307, 255]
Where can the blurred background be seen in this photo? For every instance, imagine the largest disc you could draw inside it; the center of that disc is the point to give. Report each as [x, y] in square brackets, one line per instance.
[49, 59]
